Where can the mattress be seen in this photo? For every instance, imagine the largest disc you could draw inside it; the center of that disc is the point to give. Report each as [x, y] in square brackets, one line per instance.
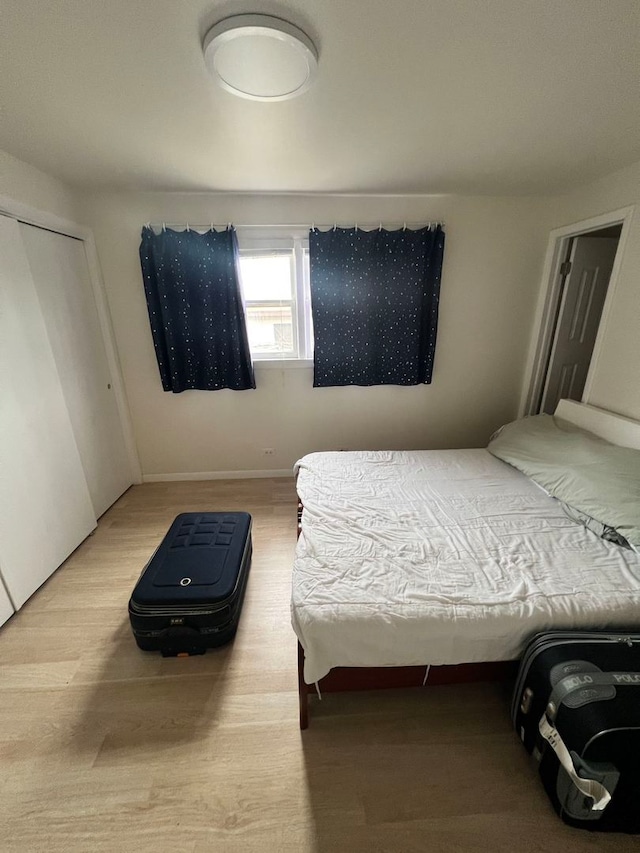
[442, 557]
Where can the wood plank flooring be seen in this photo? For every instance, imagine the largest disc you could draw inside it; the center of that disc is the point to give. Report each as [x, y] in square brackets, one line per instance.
[107, 748]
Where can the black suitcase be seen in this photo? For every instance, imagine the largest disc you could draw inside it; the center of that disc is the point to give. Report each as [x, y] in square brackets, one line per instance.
[576, 707]
[189, 596]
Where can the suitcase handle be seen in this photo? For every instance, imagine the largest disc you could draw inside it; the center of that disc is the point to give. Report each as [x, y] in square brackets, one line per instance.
[588, 682]
[589, 787]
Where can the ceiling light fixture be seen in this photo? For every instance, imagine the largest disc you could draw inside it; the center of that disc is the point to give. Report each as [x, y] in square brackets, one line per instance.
[260, 57]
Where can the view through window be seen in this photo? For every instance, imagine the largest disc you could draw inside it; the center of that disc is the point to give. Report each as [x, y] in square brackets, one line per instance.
[275, 285]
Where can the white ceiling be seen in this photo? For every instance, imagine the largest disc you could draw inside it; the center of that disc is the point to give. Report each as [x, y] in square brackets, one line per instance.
[412, 96]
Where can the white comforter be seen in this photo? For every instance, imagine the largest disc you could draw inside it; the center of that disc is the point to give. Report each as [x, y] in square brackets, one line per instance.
[442, 557]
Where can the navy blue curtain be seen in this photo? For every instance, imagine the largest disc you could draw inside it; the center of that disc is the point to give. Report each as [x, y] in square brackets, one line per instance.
[195, 309]
[374, 300]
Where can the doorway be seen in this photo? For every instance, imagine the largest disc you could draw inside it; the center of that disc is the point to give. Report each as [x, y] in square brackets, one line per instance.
[580, 273]
[585, 272]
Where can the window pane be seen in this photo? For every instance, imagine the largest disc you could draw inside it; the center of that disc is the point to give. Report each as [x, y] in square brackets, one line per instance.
[270, 330]
[266, 277]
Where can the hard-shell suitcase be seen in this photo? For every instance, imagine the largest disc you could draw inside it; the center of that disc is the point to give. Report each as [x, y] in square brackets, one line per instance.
[189, 596]
[576, 707]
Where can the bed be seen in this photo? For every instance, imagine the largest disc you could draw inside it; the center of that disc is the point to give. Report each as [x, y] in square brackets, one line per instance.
[417, 567]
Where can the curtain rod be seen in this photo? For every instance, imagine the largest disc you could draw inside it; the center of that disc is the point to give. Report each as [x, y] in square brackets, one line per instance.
[366, 226]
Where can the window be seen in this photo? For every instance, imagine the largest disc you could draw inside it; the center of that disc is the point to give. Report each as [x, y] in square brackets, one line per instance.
[274, 274]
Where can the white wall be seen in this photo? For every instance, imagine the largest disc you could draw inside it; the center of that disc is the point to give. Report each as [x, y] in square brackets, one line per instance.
[616, 384]
[494, 253]
[493, 259]
[30, 186]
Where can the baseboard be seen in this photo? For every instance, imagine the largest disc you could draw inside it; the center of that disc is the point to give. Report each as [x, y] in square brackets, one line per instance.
[218, 475]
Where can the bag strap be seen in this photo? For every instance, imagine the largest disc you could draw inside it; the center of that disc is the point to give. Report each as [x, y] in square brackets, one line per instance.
[589, 787]
[586, 680]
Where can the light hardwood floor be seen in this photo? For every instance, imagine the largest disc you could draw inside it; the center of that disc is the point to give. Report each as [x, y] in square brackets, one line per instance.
[107, 748]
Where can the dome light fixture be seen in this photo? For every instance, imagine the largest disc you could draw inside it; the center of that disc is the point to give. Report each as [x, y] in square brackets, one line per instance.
[260, 57]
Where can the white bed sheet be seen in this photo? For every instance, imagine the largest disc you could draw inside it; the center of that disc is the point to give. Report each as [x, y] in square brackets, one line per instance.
[442, 557]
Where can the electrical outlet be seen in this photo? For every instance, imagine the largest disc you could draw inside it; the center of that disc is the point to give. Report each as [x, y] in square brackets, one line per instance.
[268, 451]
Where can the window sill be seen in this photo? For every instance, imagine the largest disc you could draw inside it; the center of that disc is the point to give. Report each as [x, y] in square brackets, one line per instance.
[282, 363]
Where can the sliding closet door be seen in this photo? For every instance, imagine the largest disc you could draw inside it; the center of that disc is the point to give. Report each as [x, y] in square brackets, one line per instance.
[45, 507]
[61, 274]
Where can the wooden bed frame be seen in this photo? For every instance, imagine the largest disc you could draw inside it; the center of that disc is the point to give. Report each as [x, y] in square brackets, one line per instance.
[613, 428]
[343, 678]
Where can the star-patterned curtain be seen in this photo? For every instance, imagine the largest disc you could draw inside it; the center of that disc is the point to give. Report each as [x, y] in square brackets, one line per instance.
[374, 300]
[195, 309]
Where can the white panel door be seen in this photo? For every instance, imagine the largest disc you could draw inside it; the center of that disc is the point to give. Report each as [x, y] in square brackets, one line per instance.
[583, 299]
[6, 608]
[61, 274]
[45, 506]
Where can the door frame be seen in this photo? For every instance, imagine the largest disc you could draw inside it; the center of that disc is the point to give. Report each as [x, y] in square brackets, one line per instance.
[52, 222]
[549, 300]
